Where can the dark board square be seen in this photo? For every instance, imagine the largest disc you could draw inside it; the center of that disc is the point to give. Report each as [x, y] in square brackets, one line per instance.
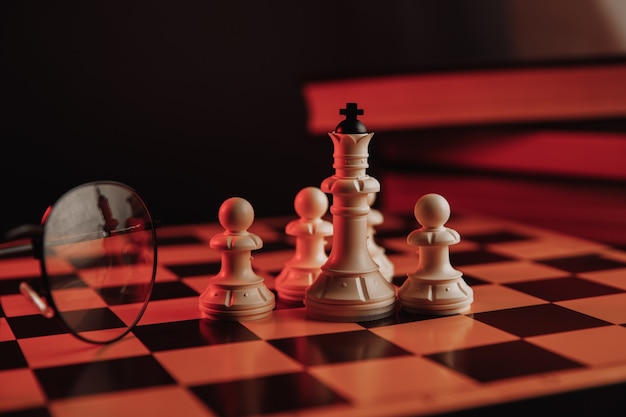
[92, 319]
[195, 269]
[504, 360]
[171, 289]
[560, 289]
[11, 356]
[126, 294]
[102, 376]
[538, 319]
[495, 237]
[34, 325]
[12, 285]
[585, 263]
[476, 257]
[337, 347]
[264, 395]
[382, 234]
[191, 333]
[28, 412]
[472, 281]
[276, 247]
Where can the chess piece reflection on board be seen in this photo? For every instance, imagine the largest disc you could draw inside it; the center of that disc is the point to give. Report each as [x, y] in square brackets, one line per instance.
[436, 287]
[311, 233]
[236, 292]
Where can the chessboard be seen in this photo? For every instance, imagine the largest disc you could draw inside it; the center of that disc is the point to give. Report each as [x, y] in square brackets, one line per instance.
[546, 332]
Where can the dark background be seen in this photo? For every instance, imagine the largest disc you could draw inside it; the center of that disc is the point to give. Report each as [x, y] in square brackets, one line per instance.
[192, 102]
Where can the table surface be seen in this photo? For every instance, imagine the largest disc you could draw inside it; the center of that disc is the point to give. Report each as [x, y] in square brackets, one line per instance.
[546, 331]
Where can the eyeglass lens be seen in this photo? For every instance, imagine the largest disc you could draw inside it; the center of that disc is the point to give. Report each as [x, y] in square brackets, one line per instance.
[99, 260]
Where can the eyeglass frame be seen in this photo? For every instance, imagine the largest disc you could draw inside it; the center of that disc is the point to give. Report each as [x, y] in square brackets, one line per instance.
[46, 305]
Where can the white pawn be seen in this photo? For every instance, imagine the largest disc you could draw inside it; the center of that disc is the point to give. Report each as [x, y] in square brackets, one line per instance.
[310, 232]
[435, 287]
[375, 218]
[236, 292]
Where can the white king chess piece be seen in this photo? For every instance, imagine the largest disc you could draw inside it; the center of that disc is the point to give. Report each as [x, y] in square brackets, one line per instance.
[350, 287]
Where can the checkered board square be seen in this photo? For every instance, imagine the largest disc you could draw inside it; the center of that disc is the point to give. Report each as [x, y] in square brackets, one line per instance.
[546, 332]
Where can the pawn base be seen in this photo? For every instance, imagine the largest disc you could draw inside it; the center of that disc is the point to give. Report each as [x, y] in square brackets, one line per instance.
[222, 302]
[435, 297]
[292, 283]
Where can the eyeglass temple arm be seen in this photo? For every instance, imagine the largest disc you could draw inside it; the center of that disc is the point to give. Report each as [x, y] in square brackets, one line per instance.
[27, 231]
[24, 231]
[38, 300]
[34, 232]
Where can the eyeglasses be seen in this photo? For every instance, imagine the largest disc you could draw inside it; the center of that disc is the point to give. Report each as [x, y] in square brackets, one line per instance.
[97, 250]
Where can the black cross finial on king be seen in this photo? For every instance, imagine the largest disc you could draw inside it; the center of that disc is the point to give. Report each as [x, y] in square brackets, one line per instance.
[351, 124]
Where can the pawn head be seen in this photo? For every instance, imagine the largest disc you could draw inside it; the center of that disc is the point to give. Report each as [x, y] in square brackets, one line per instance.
[311, 203]
[432, 211]
[236, 214]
